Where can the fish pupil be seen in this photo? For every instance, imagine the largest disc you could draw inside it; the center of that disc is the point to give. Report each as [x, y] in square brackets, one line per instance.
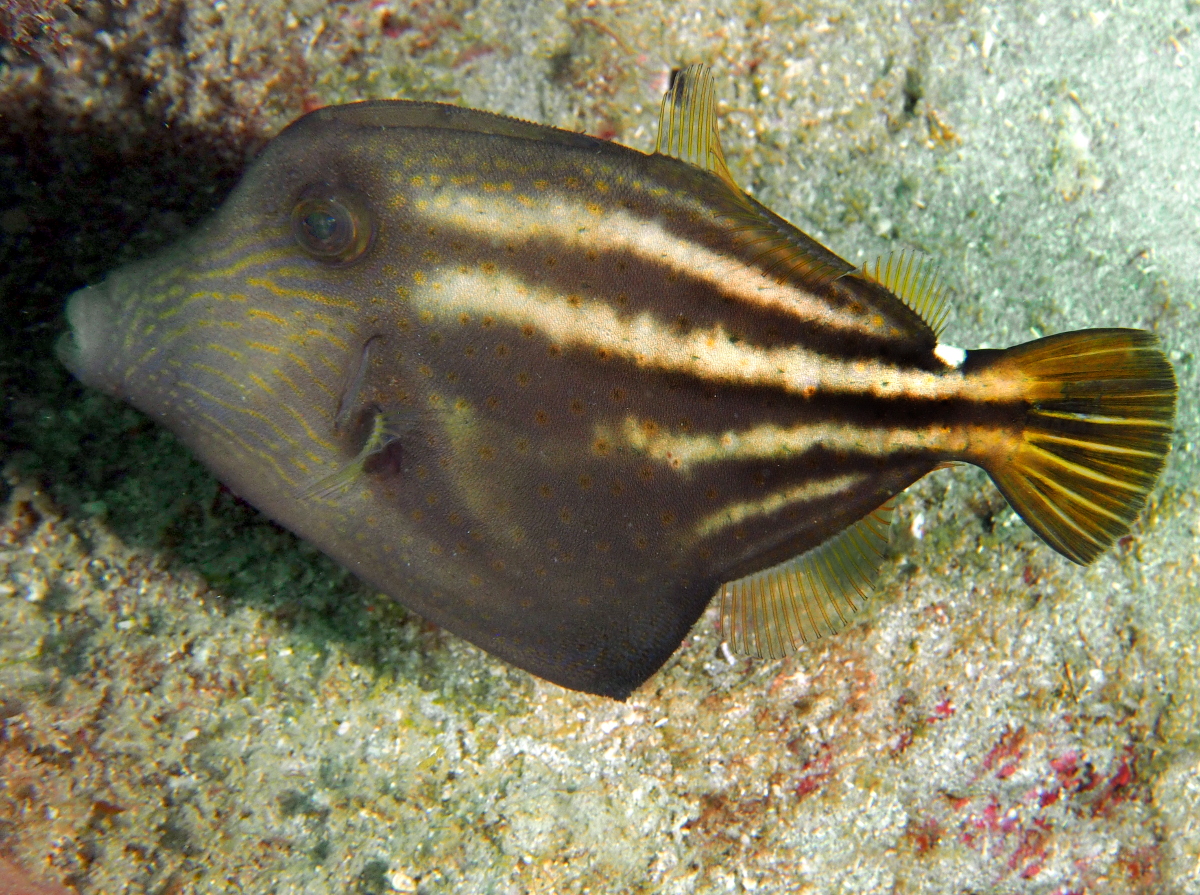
[321, 226]
[324, 228]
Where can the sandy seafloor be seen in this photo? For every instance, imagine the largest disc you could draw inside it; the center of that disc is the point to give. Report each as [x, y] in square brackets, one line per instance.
[193, 701]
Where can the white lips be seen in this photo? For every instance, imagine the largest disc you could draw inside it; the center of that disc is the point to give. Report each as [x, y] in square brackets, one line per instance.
[85, 350]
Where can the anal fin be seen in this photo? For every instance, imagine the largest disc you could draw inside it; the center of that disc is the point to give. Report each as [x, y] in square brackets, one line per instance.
[771, 613]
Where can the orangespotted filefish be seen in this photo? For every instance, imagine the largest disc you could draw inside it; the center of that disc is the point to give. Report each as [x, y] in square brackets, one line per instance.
[555, 394]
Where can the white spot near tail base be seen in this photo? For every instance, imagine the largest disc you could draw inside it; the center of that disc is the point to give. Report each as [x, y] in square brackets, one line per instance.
[949, 355]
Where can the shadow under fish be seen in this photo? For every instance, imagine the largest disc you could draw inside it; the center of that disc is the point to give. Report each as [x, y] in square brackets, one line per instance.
[554, 394]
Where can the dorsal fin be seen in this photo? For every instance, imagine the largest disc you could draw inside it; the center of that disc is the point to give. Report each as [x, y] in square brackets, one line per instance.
[781, 250]
[403, 113]
[772, 612]
[688, 131]
[687, 122]
[917, 282]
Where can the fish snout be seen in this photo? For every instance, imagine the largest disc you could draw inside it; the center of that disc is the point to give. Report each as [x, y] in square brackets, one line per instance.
[88, 348]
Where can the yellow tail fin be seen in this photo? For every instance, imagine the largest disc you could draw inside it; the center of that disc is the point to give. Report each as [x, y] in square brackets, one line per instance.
[1101, 411]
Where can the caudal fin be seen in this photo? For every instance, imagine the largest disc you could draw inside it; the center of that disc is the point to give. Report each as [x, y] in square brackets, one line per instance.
[1102, 408]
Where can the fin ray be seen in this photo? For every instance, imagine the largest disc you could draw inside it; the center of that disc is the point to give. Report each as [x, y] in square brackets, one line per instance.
[688, 131]
[687, 122]
[917, 282]
[386, 428]
[771, 613]
[1096, 437]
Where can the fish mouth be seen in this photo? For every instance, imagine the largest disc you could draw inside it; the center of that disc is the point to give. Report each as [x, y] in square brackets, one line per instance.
[86, 349]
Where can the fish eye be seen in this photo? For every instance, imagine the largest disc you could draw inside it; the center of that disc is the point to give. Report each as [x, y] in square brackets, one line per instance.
[332, 224]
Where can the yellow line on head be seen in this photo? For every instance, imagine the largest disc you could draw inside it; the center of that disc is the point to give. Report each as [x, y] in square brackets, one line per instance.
[261, 383]
[220, 431]
[303, 365]
[289, 381]
[299, 417]
[234, 268]
[260, 314]
[303, 294]
[233, 408]
[328, 337]
[195, 297]
[237, 384]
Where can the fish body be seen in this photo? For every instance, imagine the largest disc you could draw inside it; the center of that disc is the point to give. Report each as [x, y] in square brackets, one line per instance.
[554, 394]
